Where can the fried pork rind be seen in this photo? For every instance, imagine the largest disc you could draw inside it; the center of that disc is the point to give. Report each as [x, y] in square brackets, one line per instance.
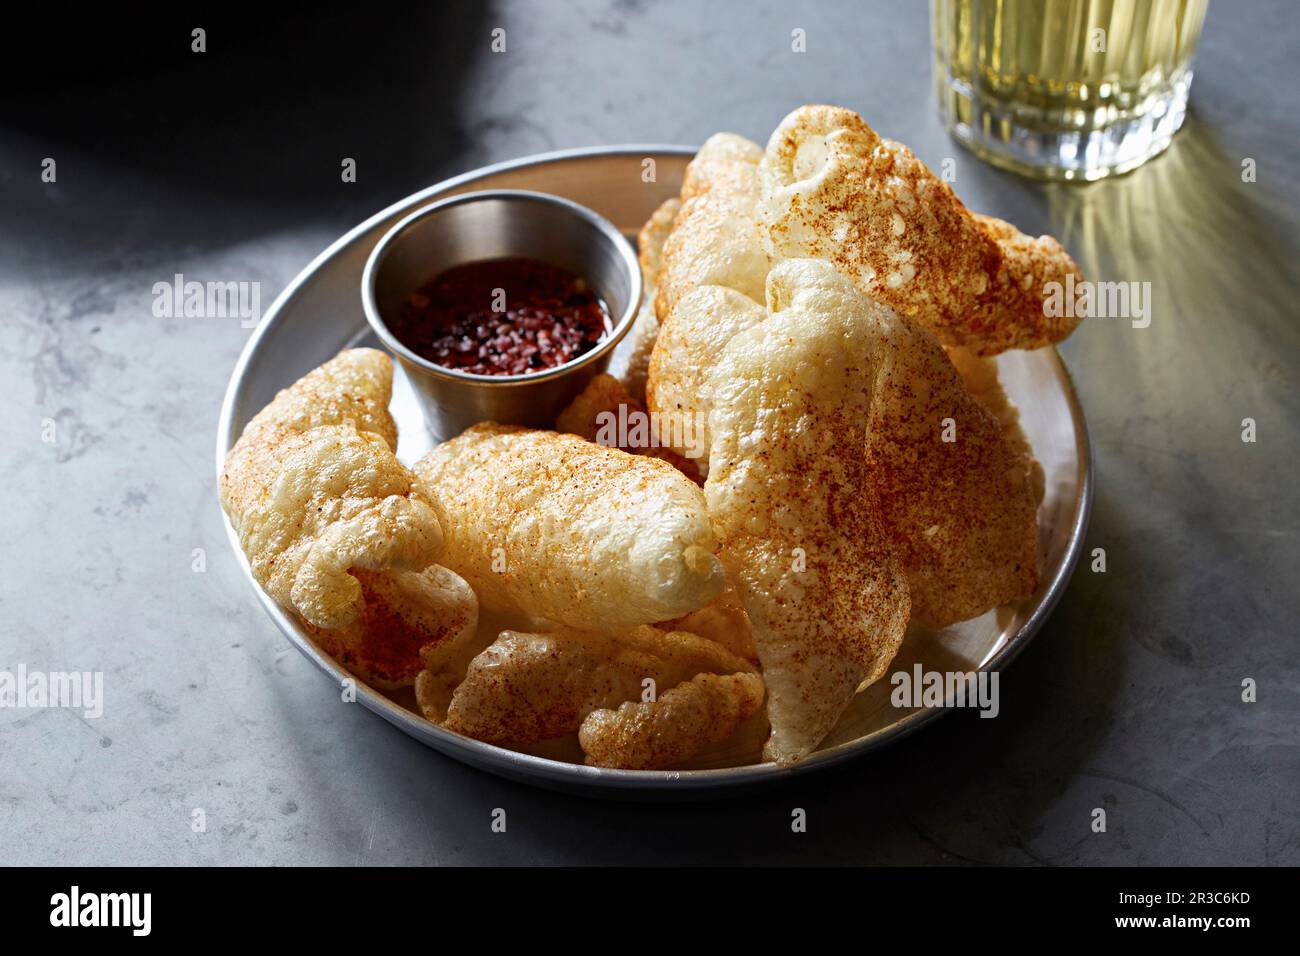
[832, 189]
[433, 692]
[961, 515]
[411, 620]
[570, 531]
[604, 393]
[353, 388]
[980, 373]
[650, 240]
[526, 688]
[792, 507]
[715, 238]
[655, 735]
[724, 622]
[690, 340]
[314, 491]
[631, 357]
[725, 163]
[594, 414]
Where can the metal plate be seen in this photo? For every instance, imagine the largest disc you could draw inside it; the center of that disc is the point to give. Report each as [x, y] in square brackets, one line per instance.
[320, 313]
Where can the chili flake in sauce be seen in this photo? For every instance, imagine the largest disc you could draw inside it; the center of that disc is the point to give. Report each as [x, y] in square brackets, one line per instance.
[503, 317]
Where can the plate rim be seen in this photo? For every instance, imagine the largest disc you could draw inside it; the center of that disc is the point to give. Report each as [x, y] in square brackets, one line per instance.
[579, 778]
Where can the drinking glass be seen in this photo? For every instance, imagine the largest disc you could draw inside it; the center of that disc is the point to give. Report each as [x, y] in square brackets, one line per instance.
[1065, 89]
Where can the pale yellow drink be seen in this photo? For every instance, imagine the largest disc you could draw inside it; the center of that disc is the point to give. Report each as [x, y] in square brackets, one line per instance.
[1065, 89]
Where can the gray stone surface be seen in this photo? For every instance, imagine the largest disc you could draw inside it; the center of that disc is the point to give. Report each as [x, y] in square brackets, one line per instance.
[226, 167]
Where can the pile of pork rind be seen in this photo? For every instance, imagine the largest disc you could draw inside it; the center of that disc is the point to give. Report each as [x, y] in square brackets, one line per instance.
[826, 310]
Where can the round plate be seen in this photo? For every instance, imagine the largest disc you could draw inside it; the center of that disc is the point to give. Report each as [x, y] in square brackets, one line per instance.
[320, 313]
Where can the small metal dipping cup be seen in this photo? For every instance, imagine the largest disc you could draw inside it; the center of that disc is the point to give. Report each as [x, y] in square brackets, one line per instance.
[497, 224]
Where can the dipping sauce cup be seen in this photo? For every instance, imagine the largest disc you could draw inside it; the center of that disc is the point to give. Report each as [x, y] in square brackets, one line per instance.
[499, 224]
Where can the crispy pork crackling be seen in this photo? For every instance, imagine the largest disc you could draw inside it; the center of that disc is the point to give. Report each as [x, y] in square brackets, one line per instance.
[714, 239]
[571, 531]
[796, 517]
[955, 486]
[955, 479]
[654, 735]
[631, 357]
[410, 619]
[314, 490]
[832, 189]
[594, 415]
[527, 688]
[690, 340]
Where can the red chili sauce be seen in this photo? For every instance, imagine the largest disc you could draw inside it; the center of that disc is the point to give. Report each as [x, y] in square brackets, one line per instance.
[503, 317]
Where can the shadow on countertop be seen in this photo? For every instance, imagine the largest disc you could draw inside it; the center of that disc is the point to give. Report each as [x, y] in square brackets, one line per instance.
[248, 135]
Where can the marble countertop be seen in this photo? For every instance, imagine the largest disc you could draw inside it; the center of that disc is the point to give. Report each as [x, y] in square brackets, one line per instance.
[225, 166]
